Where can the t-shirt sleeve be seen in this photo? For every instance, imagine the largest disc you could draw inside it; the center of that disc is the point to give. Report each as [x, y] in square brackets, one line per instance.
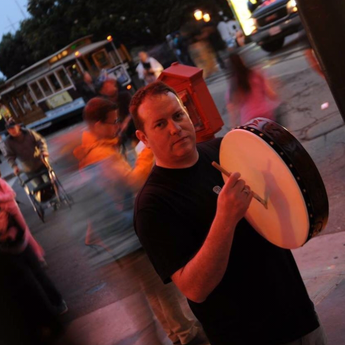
[164, 239]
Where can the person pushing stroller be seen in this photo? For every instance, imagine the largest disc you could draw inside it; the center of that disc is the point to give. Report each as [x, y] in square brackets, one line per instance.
[29, 148]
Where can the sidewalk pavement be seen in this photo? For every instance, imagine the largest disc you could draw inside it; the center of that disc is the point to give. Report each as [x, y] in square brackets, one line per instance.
[322, 265]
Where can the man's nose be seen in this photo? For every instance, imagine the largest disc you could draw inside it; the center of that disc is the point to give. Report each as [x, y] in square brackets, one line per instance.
[174, 127]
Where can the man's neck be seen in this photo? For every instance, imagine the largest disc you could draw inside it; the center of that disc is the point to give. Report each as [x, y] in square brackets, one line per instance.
[19, 137]
[180, 164]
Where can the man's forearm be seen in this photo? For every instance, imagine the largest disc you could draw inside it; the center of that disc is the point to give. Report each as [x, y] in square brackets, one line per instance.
[41, 142]
[11, 159]
[204, 272]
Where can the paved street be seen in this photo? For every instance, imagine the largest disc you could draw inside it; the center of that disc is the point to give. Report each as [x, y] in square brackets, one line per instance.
[97, 298]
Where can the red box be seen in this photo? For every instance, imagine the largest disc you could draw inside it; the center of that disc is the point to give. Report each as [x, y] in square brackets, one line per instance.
[191, 87]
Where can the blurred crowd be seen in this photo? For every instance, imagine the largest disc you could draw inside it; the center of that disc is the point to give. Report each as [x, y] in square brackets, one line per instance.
[206, 44]
[113, 166]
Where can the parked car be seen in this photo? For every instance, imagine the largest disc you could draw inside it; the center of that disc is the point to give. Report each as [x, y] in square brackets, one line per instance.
[273, 21]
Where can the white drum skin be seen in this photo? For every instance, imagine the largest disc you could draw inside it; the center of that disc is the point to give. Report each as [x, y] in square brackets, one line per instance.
[287, 221]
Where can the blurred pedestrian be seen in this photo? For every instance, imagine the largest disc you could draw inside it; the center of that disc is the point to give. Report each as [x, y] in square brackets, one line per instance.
[114, 184]
[9, 205]
[110, 89]
[249, 94]
[210, 32]
[85, 87]
[19, 250]
[148, 68]
[180, 44]
[228, 29]
[202, 51]
[28, 147]
[224, 31]
[27, 318]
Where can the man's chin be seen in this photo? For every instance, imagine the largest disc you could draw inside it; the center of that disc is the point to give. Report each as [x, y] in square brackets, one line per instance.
[185, 151]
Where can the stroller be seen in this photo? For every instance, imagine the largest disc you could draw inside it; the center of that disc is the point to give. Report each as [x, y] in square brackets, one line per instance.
[48, 193]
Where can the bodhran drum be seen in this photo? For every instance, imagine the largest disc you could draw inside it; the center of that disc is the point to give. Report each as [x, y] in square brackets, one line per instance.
[277, 168]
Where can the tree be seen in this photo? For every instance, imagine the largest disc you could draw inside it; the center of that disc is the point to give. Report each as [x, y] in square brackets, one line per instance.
[56, 23]
[15, 55]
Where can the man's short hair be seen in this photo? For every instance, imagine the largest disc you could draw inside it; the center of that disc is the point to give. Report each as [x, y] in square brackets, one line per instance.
[101, 80]
[10, 123]
[154, 89]
[97, 109]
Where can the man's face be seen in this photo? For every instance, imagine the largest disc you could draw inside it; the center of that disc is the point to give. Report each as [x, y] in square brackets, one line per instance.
[110, 89]
[14, 131]
[87, 78]
[168, 131]
[109, 128]
[143, 56]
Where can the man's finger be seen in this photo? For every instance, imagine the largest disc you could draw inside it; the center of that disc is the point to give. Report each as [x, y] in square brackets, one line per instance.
[233, 179]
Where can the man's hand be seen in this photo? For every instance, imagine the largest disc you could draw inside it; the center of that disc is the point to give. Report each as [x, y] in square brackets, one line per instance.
[16, 170]
[234, 199]
[202, 274]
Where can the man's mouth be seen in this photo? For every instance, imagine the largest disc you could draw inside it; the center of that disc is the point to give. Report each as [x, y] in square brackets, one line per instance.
[180, 140]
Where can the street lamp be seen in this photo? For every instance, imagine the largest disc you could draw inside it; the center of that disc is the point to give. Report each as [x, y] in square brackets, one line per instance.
[110, 39]
[206, 17]
[198, 14]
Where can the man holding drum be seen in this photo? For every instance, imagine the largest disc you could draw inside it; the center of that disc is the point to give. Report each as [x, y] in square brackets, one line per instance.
[243, 289]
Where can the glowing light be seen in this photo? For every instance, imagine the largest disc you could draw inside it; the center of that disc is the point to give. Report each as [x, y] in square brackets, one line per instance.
[324, 105]
[129, 87]
[198, 14]
[292, 6]
[77, 53]
[244, 16]
[206, 17]
[109, 38]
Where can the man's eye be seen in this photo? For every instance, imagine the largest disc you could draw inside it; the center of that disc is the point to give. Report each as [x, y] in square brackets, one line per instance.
[159, 125]
[179, 116]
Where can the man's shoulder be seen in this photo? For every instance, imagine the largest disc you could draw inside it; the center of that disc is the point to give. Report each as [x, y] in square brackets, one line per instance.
[9, 140]
[151, 184]
[27, 131]
[213, 144]
[155, 189]
[30, 131]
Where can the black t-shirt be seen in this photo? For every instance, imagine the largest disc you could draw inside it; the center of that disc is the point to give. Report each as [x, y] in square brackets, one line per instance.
[261, 298]
[147, 66]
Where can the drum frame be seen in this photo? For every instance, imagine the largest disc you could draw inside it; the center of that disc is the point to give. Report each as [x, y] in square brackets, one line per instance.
[301, 166]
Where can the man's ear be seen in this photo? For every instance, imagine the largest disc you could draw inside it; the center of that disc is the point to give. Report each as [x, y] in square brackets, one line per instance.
[95, 125]
[142, 137]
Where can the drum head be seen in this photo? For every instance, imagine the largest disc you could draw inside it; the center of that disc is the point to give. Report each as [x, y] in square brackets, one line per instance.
[287, 220]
